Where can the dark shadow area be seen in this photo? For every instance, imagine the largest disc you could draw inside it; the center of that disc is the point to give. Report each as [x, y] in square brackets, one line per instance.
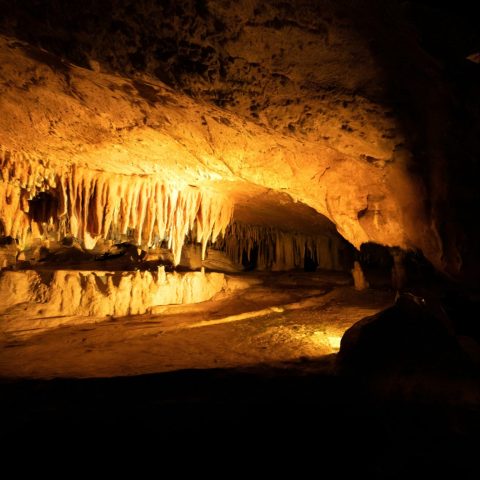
[276, 416]
[310, 263]
[43, 207]
[419, 275]
[432, 89]
[249, 259]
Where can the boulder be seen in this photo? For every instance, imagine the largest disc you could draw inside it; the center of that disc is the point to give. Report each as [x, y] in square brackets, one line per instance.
[414, 336]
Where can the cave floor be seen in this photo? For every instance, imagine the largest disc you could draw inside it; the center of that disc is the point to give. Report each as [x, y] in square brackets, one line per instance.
[278, 318]
[248, 378]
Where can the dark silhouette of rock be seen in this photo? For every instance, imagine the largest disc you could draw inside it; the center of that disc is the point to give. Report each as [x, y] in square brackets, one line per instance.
[414, 336]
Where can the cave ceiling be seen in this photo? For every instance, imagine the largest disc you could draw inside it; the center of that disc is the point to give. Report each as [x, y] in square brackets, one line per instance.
[288, 109]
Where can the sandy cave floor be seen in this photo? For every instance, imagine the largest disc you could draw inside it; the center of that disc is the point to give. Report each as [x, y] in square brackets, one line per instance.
[279, 318]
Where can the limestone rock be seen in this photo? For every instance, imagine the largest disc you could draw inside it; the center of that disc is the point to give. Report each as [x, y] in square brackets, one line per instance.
[336, 104]
[98, 293]
[359, 280]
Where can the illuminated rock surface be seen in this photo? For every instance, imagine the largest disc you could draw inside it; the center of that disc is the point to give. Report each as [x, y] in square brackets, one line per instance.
[280, 135]
[230, 97]
[125, 133]
[63, 293]
[258, 318]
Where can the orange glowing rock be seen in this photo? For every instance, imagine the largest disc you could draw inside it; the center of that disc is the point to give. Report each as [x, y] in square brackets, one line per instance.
[100, 293]
[118, 162]
[359, 280]
[93, 205]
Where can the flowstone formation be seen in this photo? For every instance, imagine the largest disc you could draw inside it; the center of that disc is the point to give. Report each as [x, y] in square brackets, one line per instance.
[54, 295]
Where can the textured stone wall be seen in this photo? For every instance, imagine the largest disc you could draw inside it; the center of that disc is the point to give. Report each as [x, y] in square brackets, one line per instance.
[57, 293]
[366, 111]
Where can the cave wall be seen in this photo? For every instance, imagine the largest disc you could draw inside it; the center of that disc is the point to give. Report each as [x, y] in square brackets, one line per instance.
[363, 110]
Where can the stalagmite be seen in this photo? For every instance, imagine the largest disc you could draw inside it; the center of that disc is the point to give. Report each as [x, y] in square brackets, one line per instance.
[359, 280]
[89, 205]
[278, 250]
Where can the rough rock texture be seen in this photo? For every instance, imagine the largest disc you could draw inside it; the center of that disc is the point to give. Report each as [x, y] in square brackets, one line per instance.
[99, 293]
[91, 205]
[359, 281]
[342, 105]
[184, 149]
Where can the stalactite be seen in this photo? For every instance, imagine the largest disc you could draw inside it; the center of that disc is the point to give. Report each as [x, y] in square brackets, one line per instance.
[277, 250]
[91, 205]
[20, 181]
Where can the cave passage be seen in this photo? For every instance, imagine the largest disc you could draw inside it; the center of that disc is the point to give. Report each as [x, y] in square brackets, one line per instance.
[241, 294]
[242, 216]
[195, 277]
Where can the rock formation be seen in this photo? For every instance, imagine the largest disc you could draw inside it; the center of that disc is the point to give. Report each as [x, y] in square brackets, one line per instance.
[279, 250]
[64, 293]
[147, 125]
[90, 204]
[359, 280]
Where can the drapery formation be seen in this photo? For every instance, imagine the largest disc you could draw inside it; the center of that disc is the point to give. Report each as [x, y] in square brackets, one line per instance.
[36, 201]
[278, 250]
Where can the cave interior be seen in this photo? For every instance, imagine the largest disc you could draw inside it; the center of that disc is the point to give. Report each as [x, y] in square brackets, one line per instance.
[246, 218]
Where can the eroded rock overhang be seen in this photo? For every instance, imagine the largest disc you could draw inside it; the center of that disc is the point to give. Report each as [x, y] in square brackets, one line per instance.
[58, 118]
